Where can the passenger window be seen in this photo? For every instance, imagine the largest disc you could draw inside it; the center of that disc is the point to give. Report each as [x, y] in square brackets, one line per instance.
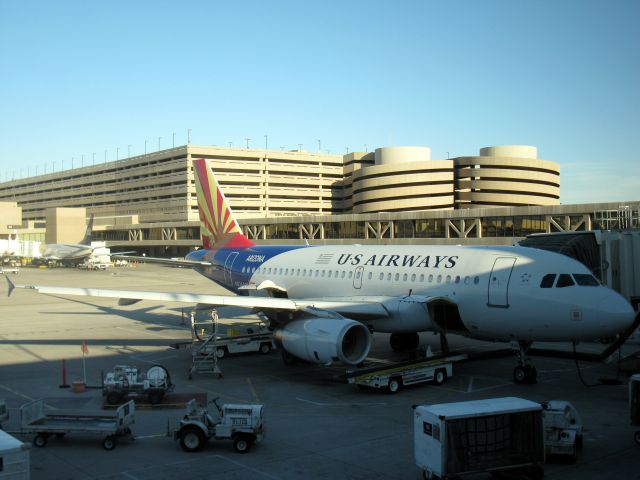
[405, 277]
[413, 277]
[547, 280]
[298, 272]
[317, 272]
[439, 278]
[286, 271]
[329, 274]
[370, 275]
[350, 275]
[457, 278]
[322, 274]
[586, 280]
[388, 277]
[448, 278]
[397, 277]
[467, 279]
[342, 274]
[422, 277]
[280, 272]
[431, 278]
[381, 275]
[476, 280]
[564, 280]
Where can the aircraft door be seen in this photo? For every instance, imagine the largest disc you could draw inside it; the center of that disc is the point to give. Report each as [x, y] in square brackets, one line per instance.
[499, 282]
[357, 277]
[228, 266]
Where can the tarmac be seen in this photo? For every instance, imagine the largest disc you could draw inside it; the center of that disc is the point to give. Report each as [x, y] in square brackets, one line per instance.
[317, 427]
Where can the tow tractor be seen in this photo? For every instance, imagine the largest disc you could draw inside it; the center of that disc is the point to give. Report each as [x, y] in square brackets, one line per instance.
[562, 429]
[244, 424]
[129, 381]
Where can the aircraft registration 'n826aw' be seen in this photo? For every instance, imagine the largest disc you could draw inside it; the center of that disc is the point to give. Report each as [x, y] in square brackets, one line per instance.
[323, 302]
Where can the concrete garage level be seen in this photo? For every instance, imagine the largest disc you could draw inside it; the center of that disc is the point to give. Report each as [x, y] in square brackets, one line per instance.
[316, 426]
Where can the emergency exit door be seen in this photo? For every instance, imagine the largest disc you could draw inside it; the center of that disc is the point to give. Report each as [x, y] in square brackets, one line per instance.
[499, 282]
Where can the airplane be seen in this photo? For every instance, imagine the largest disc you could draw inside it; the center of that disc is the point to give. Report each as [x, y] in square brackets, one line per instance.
[69, 252]
[324, 302]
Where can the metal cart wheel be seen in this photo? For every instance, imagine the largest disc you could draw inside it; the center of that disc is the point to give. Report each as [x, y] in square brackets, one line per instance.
[40, 440]
[440, 376]
[265, 348]
[394, 385]
[109, 443]
[241, 444]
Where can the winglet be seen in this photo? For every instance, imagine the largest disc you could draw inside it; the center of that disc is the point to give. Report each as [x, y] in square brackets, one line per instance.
[11, 286]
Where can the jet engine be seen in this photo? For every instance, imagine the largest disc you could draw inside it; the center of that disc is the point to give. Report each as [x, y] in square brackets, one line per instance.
[325, 339]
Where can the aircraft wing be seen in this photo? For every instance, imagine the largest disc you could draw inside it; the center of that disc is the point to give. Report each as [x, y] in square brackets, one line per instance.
[176, 262]
[359, 307]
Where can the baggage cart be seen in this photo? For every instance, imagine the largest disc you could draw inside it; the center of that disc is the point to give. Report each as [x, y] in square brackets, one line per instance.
[492, 435]
[44, 423]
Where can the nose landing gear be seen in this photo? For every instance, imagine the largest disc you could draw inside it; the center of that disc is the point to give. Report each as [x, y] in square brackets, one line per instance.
[524, 372]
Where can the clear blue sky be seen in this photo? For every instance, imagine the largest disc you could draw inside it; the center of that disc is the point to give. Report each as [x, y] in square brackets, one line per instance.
[79, 77]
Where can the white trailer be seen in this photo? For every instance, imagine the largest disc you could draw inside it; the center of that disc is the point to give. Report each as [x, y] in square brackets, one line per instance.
[634, 404]
[14, 458]
[492, 435]
[34, 419]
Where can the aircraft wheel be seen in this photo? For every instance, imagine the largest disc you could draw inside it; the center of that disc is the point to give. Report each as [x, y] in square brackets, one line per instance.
[519, 374]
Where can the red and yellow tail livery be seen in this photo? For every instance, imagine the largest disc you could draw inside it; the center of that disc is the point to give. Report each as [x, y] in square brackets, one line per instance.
[218, 226]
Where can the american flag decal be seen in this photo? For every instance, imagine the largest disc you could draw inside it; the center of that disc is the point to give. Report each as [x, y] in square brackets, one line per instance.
[324, 259]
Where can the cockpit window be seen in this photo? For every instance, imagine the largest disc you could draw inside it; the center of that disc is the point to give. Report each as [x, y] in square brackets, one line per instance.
[585, 280]
[547, 280]
[564, 280]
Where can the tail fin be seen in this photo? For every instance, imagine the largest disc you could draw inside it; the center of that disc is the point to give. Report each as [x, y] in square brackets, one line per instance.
[218, 226]
[86, 240]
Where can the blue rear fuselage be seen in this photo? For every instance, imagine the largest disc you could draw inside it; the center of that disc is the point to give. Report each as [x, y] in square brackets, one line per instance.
[233, 268]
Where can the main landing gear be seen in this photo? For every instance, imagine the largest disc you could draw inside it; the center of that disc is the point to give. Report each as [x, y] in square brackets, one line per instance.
[524, 372]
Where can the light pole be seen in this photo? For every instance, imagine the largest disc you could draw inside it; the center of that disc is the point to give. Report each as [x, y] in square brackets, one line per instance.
[247, 140]
[266, 145]
[72, 159]
[82, 162]
[129, 151]
[319, 146]
[117, 153]
[173, 141]
[93, 158]
[145, 147]
[230, 143]
[105, 156]
[299, 147]
[189, 136]
[159, 138]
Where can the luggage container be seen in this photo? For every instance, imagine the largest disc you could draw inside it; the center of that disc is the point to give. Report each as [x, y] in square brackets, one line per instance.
[14, 458]
[492, 435]
[634, 404]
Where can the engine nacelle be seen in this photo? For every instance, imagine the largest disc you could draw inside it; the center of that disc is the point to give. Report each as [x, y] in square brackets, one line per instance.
[325, 340]
[406, 314]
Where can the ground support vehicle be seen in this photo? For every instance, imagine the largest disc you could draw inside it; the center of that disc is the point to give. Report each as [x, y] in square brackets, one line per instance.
[34, 419]
[393, 376]
[562, 429]
[634, 404]
[244, 424]
[491, 435]
[208, 346]
[128, 381]
[9, 270]
[14, 458]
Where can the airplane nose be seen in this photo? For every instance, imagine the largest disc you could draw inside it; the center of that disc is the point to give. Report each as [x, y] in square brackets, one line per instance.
[618, 312]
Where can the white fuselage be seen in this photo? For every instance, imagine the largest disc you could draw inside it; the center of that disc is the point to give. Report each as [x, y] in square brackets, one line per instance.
[497, 289]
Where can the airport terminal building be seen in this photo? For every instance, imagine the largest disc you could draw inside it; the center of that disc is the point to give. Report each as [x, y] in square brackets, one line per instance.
[395, 194]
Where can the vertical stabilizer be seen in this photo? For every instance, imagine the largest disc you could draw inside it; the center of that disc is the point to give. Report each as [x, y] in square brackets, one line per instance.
[86, 240]
[218, 226]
